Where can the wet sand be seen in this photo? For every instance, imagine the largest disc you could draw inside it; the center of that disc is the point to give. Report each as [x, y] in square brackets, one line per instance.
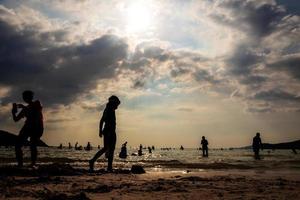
[64, 182]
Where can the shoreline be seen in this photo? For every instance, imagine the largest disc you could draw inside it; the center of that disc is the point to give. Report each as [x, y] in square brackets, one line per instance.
[60, 182]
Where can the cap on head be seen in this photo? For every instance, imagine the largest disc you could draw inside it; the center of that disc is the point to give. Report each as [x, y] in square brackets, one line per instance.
[114, 99]
[27, 95]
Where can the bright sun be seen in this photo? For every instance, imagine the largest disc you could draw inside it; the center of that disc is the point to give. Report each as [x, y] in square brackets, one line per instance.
[139, 18]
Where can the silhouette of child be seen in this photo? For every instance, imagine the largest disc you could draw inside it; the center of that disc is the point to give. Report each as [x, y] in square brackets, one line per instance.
[33, 127]
[108, 131]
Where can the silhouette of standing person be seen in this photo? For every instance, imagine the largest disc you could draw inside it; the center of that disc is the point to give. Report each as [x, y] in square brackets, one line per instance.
[256, 145]
[108, 131]
[88, 147]
[33, 127]
[140, 151]
[204, 144]
[123, 153]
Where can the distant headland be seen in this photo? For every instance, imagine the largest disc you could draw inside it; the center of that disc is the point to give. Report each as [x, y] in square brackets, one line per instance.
[9, 139]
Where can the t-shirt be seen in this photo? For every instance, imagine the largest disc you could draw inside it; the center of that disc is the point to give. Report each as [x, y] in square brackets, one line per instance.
[204, 143]
[33, 114]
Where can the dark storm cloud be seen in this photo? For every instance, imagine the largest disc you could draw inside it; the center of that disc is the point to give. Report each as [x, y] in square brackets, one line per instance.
[179, 71]
[253, 81]
[155, 52]
[276, 95]
[202, 75]
[289, 64]
[242, 60]
[269, 46]
[255, 18]
[29, 59]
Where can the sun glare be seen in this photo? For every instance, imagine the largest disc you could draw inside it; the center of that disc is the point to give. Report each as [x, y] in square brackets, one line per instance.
[139, 18]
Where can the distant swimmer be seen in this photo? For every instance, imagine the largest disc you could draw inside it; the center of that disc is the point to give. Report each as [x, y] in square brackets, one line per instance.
[204, 144]
[88, 147]
[78, 147]
[123, 153]
[33, 127]
[140, 151]
[108, 119]
[70, 146]
[181, 147]
[149, 149]
[294, 151]
[60, 146]
[256, 145]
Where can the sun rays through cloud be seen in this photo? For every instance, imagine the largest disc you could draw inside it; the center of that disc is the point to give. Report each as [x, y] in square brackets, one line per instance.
[139, 17]
[214, 67]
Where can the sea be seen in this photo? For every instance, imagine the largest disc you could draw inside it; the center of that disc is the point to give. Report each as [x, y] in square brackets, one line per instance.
[166, 159]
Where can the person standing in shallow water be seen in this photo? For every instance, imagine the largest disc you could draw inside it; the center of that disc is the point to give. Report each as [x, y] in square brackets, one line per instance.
[256, 145]
[204, 144]
[108, 131]
[33, 127]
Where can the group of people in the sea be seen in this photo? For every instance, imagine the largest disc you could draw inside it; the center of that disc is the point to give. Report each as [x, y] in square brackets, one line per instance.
[33, 128]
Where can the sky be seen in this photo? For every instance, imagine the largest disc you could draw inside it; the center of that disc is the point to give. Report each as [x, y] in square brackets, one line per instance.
[182, 69]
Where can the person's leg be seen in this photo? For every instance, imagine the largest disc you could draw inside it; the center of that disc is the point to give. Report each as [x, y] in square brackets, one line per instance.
[98, 154]
[33, 149]
[203, 152]
[258, 157]
[256, 154]
[21, 138]
[206, 152]
[111, 150]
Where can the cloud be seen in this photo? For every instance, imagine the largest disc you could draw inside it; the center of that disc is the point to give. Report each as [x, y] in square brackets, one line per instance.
[260, 43]
[264, 49]
[185, 109]
[277, 95]
[289, 64]
[58, 74]
[255, 18]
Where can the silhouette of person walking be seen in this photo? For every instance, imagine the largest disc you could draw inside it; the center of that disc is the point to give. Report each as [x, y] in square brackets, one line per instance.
[204, 144]
[108, 131]
[33, 127]
[256, 145]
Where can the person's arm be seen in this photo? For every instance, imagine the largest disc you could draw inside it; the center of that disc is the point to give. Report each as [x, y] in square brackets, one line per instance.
[102, 121]
[100, 127]
[261, 145]
[17, 117]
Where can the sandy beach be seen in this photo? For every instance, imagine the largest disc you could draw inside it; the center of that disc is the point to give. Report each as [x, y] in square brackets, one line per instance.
[61, 181]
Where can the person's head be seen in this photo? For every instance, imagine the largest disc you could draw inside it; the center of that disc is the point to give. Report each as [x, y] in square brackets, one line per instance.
[203, 138]
[257, 134]
[28, 96]
[114, 101]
